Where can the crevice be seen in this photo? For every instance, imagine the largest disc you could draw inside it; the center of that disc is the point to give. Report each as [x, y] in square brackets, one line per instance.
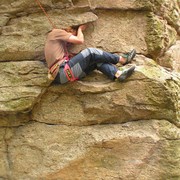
[140, 10]
[30, 60]
[8, 21]
[100, 124]
[172, 139]
[2, 87]
[8, 156]
[17, 126]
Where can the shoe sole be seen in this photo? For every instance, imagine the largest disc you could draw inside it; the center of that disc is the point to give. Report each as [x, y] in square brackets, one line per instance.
[132, 55]
[126, 74]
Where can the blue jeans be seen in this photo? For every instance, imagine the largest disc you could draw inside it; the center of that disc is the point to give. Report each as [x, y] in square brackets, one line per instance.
[88, 60]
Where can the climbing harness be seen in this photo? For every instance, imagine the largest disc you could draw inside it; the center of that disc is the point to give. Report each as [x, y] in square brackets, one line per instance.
[69, 74]
[46, 14]
[54, 69]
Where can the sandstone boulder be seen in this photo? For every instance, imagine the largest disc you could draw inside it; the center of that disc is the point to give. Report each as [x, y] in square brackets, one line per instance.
[23, 7]
[100, 102]
[3, 153]
[24, 37]
[94, 128]
[143, 150]
[171, 57]
[22, 83]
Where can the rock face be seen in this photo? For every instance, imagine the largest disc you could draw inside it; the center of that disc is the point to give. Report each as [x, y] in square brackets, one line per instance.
[97, 102]
[133, 150]
[94, 128]
[171, 57]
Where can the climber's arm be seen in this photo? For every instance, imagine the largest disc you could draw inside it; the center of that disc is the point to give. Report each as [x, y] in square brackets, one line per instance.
[79, 38]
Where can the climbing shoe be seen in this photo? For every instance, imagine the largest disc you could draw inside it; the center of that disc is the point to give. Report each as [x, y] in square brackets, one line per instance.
[126, 73]
[129, 56]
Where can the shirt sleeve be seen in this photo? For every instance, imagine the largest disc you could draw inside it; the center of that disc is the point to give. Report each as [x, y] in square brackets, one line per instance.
[59, 34]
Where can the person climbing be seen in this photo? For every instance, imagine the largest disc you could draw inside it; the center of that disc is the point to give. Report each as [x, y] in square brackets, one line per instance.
[63, 68]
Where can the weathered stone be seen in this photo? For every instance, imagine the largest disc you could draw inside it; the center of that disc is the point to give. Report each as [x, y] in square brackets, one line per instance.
[116, 4]
[126, 31]
[10, 119]
[21, 48]
[168, 9]
[172, 57]
[140, 149]
[147, 33]
[29, 42]
[101, 102]
[21, 84]
[160, 36]
[3, 154]
[24, 37]
[81, 3]
[4, 19]
[40, 25]
[15, 7]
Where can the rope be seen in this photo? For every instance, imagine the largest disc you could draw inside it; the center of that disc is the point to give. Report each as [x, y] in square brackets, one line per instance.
[38, 2]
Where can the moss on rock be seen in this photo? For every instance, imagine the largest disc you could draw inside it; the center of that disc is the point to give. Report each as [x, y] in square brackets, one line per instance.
[159, 35]
[149, 5]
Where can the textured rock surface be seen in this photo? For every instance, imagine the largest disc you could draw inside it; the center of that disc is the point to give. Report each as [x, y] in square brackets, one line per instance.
[171, 57]
[143, 150]
[101, 102]
[22, 83]
[92, 129]
[17, 36]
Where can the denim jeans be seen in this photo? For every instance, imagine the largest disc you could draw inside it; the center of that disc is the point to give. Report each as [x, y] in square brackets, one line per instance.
[88, 60]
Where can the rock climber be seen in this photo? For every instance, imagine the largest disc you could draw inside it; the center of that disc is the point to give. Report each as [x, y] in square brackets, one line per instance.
[63, 68]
